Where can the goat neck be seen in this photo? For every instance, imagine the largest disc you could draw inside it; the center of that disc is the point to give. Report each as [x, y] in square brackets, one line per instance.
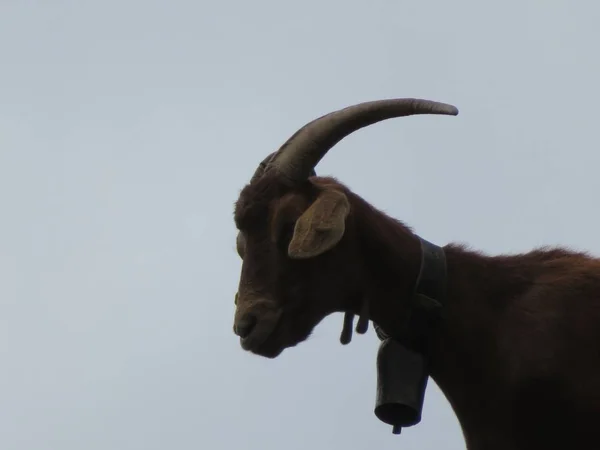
[463, 349]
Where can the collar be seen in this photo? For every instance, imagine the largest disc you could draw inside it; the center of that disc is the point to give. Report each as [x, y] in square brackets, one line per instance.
[427, 300]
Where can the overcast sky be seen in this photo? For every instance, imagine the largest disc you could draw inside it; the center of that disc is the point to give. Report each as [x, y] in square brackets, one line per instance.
[127, 129]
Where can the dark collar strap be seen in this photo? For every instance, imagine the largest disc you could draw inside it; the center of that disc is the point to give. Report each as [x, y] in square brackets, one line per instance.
[428, 299]
[430, 289]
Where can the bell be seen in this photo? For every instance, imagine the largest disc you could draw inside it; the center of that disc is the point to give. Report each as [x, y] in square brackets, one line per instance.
[401, 382]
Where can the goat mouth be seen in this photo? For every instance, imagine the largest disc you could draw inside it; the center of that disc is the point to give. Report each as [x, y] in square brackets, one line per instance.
[257, 340]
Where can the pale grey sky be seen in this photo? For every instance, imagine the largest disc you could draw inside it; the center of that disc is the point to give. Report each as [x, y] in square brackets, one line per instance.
[127, 129]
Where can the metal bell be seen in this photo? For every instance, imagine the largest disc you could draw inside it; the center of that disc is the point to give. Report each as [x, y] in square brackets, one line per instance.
[402, 376]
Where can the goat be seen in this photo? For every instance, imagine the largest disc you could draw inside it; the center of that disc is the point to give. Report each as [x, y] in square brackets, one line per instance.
[516, 350]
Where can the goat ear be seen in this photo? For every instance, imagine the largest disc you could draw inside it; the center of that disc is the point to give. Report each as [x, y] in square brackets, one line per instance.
[321, 226]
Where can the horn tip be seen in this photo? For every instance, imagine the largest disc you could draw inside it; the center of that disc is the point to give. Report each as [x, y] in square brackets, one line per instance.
[450, 110]
[421, 106]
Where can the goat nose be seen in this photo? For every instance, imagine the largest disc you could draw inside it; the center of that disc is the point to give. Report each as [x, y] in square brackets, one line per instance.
[245, 325]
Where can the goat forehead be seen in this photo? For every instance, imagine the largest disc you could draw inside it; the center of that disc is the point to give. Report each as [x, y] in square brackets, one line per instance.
[248, 215]
[255, 199]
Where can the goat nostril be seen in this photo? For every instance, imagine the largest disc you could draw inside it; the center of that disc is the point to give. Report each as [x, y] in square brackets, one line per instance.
[245, 326]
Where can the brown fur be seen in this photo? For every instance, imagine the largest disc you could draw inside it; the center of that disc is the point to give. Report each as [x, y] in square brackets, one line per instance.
[518, 354]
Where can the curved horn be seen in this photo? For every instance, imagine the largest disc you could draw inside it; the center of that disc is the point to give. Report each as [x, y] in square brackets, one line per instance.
[298, 156]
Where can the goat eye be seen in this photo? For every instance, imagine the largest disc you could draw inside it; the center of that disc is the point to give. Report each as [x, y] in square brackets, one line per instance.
[240, 243]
